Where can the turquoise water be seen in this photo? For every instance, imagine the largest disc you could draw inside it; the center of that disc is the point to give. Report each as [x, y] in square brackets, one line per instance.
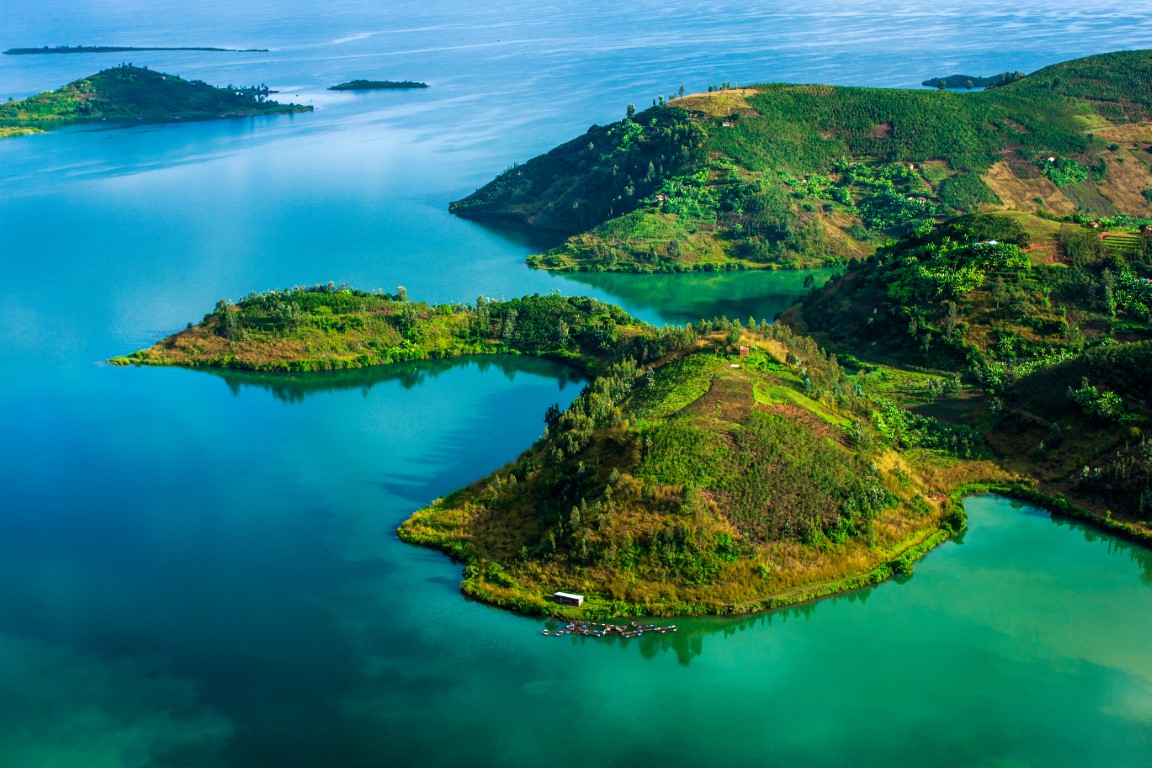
[201, 569]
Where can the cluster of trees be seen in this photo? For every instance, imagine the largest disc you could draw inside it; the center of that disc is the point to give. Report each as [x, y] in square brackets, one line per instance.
[605, 173]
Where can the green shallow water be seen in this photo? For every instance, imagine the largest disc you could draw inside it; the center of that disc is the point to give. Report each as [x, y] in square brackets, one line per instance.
[201, 569]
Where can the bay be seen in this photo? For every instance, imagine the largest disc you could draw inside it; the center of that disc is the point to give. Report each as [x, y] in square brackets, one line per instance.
[201, 569]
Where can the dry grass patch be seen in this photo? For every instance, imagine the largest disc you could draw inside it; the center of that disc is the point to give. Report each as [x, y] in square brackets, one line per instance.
[717, 103]
[1123, 186]
[1021, 194]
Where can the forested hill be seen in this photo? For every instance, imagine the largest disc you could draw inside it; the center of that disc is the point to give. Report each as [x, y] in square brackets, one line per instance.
[795, 175]
[1050, 321]
[130, 93]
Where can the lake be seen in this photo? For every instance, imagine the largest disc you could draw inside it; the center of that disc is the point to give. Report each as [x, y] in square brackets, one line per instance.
[201, 569]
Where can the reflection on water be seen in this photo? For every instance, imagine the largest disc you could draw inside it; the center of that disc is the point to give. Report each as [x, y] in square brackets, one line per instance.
[294, 387]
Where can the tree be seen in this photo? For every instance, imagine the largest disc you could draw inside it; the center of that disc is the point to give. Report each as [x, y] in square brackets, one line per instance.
[631, 111]
[998, 291]
[401, 293]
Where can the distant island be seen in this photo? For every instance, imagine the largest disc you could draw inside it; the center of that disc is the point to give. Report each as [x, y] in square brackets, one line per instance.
[377, 85]
[136, 93]
[972, 81]
[120, 49]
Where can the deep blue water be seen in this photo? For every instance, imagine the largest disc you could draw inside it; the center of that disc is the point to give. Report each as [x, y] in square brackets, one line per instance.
[201, 570]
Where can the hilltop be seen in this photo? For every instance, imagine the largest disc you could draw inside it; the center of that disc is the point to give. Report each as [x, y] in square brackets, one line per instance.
[136, 93]
[784, 175]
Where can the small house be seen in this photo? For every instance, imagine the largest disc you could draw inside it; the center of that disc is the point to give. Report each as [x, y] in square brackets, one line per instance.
[567, 598]
[743, 351]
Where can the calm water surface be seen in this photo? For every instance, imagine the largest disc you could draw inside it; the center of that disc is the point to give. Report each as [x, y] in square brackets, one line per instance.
[201, 570]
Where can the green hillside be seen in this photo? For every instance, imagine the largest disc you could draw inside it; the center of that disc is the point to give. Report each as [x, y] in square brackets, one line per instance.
[801, 175]
[712, 483]
[1046, 326]
[132, 93]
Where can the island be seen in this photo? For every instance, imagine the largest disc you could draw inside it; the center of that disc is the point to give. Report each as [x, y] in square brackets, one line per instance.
[136, 93]
[119, 49]
[377, 85]
[968, 82]
[786, 176]
[734, 465]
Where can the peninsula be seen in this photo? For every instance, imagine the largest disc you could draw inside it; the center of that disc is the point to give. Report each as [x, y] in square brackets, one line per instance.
[781, 176]
[377, 85]
[713, 468]
[1001, 341]
[119, 49]
[136, 93]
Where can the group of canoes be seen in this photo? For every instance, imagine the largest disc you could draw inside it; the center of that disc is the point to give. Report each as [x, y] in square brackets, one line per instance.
[591, 629]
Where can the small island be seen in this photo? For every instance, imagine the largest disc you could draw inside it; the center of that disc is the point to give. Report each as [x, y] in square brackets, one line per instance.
[972, 81]
[119, 49]
[377, 85]
[136, 93]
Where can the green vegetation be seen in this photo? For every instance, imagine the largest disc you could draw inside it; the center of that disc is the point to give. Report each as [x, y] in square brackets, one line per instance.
[972, 81]
[709, 483]
[594, 178]
[336, 328]
[805, 175]
[377, 85]
[119, 49]
[721, 467]
[17, 130]
[134, 93]
[1049, 322]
